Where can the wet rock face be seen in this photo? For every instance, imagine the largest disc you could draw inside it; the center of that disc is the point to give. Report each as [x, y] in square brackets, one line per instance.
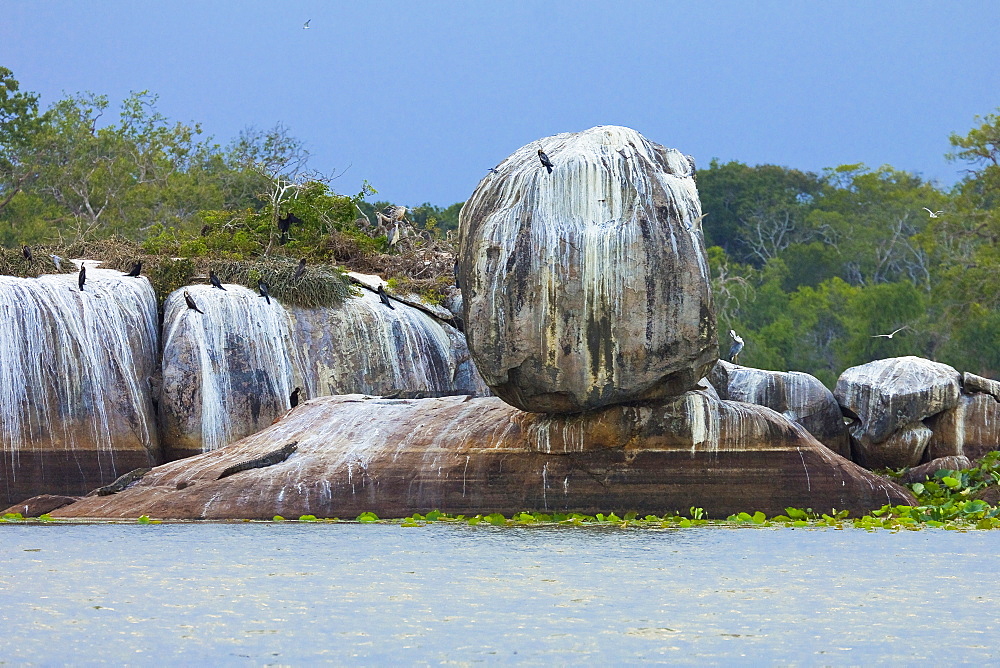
[588, 286]
[800, 397]
[76, 370]
[467, 455]
[892, 397]
[927, 471]
[972, 428]
[230, 372]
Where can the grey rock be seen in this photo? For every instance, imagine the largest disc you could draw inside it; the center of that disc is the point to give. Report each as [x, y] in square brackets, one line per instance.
[892, 395]
[972, 428]
[904, 447]
[927, 471]
[971, 383]
[588, 286]
[800, 397]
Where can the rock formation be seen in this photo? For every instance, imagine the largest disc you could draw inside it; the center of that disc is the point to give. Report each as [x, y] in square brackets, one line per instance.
[891, 398]
[468, 455]
[588, 286]
[76, 369]
[229, 372]
[972, 428]
[800, 397]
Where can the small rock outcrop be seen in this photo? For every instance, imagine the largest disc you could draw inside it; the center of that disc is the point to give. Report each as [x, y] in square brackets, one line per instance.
[230, 372]
[891, 398]
[587, 286]
[801, 398]
[927, 471]
[972, 428]
[76, 375]
[478, 455]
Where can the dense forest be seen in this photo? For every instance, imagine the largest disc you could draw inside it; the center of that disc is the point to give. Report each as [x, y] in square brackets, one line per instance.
[808, 268]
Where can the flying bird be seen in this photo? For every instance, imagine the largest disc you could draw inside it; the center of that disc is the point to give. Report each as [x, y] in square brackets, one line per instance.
[305, 26]
[214, 280]
[293, 398]
[57, 261]
[493, 170]
[191, 304]
[301, 269]
[545, 160]
[384, 298]
[136, 270]
[734, 352]
[933, 214]
[889, 336]
[262, 286]
[697, 220]
[83, 276]
[27, 253]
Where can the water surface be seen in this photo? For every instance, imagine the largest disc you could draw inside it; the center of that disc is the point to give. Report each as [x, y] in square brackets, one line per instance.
[287, 593]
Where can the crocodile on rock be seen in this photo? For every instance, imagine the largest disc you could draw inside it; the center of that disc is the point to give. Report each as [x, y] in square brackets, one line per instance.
[120, 483]
[269, 459]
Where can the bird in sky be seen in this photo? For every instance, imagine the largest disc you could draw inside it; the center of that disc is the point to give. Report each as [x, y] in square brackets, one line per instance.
[734, 352]
[305, 26]
[545, 160]
[932, 214]
[697, 220]
[190, 302]
[889, 336]
[493, 170]
[384, 298]
[214, 280]
[264, 292]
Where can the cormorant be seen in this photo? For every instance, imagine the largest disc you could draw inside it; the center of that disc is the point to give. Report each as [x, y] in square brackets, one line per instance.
[299, 270]
[27, 253]
[456, 274]
[284, 223]
[734, 352]
[214, 280]
[83, 276]
[262, 286]
[190, 302]
[545, 160]
[384, 298]
[136, 270]
[293, 398]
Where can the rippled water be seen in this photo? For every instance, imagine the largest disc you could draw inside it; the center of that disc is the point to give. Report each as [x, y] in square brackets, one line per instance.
[374, 594]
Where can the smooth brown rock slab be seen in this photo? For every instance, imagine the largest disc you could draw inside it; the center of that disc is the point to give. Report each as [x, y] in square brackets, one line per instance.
[927, 471]
[464, 455]
[972, 428]
[41, 504]
[587, 286]
[801, 398]
[971, 383]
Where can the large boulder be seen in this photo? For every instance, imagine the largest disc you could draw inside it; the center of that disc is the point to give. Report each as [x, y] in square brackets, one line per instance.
[893, 396]
[587, 286]
[798, 396]
[972, 428]
[76, 376]
[467, 455]
[230, 372]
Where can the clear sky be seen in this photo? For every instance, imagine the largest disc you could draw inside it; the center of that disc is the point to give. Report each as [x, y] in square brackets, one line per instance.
[421, 98]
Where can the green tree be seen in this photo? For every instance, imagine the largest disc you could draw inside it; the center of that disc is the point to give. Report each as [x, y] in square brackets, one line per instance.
[20, 125]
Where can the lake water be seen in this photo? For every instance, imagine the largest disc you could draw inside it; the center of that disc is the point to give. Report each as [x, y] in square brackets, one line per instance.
[253, 594]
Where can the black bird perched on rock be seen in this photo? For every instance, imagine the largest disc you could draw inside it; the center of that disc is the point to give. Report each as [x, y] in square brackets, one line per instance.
[83, 277]
[384, 298]
[301, 269]
[214, 280]
[191, 304]
[545, 160]
[293, 398]
[136, 270]
[734, 352]
[284, 223]
[262, 286]
[27, 253]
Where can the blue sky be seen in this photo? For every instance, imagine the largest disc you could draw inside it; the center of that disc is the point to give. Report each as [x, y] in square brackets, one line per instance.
[420, 98]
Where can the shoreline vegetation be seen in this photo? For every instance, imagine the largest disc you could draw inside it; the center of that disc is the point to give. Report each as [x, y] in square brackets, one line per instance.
[951, 500]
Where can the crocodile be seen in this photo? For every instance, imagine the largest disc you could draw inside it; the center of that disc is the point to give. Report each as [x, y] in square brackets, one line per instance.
[120, 483]
[270, 459]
